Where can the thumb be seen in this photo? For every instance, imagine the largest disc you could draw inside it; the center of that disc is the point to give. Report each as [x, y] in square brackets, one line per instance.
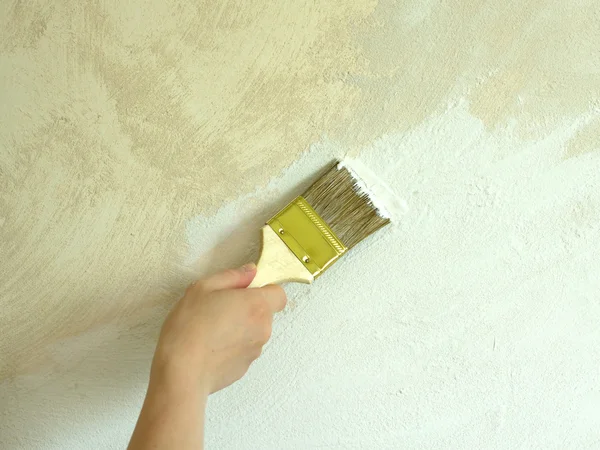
[229, 279]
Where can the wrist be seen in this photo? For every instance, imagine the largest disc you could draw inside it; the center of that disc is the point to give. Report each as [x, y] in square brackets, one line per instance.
[174, 376]
[173, 412]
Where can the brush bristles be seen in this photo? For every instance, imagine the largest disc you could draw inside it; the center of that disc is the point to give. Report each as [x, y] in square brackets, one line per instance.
[344, 206]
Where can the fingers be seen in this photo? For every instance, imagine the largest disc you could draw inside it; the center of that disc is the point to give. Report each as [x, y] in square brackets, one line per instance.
[274, 296]
[229, 279]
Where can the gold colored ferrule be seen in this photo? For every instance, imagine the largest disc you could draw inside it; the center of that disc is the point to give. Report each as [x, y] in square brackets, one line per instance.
[307, 235]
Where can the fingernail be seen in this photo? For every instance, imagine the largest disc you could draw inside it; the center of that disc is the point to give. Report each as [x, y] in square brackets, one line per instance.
[250, 267]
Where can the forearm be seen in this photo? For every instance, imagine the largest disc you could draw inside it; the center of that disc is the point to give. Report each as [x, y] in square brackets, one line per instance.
[172, 416]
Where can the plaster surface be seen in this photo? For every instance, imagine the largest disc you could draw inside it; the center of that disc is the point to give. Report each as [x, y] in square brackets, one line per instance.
[143, 143]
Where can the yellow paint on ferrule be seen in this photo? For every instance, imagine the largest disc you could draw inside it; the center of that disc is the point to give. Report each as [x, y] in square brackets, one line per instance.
[307, 235]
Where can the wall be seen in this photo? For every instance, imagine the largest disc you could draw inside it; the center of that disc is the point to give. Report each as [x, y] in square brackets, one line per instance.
[143, 143]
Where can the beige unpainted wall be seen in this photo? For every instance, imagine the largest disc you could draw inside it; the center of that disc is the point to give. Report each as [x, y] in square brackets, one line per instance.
[121, 122]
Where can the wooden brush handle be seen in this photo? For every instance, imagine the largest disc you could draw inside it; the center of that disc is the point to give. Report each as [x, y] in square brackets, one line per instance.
[277, 263]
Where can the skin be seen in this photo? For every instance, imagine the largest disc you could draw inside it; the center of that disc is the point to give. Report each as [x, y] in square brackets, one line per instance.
[207, 342]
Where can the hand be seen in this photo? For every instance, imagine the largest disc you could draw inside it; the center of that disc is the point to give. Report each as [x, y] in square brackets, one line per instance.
[217, 330]
[207, 342]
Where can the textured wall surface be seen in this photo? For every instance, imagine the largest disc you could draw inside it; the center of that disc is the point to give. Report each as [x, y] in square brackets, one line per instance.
[143, 142]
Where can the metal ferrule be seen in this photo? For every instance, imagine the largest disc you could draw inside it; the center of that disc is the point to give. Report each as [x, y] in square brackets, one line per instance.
[307, 235]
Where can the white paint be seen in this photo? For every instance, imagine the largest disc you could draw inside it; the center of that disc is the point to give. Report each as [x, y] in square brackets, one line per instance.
[386, 203]
[471, 323]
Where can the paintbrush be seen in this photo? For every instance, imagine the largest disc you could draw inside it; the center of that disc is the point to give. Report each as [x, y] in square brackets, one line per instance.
[317, 228]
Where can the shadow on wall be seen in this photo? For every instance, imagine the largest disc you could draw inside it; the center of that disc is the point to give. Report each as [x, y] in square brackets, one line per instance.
[103, 373]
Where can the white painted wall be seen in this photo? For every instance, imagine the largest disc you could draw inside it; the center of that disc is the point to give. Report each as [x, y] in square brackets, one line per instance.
[471, 323]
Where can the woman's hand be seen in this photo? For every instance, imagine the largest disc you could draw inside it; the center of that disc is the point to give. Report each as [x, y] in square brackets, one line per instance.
[207, 342]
